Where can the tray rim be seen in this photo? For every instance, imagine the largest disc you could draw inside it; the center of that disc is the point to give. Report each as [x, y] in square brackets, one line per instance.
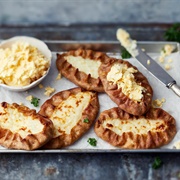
[93, 151]
[160, 150]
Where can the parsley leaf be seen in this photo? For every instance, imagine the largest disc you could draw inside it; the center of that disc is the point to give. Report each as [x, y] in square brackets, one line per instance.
[173, 33]
[157, 163]
[92, 141]
[86, 120]
[125, 54]
[35, 101]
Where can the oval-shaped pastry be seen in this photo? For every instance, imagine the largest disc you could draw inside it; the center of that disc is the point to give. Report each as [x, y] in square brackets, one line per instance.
[22, 128]
[81, 67]
[152, 130]
[126, 86]
[72, 113]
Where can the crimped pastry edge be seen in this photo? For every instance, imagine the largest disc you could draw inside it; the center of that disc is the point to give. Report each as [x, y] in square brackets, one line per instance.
[130, 141]
[78, 77]
[81, 128]
[31, 141]
[116, 95]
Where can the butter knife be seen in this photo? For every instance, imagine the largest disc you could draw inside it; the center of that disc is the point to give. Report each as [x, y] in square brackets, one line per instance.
[151, 65]
[157, 71]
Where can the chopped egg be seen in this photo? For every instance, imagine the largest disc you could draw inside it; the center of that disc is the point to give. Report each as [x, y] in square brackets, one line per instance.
[49, 90]
[170, 60]
[167, 50]
[123, 76]
[167, 67]
[148, 62]
[177, 145]
[58, 76]
[126, 41]
[161, 59]
[22, 64]
[158, 102]
[29, 98]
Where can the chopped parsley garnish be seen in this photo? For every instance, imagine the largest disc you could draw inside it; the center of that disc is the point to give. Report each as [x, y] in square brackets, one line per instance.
[125, 54]
[86, 120]
[92, 141]
[157, 163]
[35, 101]
[173, 33]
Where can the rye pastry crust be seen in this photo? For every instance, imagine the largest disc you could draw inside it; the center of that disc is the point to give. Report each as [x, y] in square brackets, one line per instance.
[131, 81]
[81, 67]
[152, 130]
[22, 128]
[72, 112]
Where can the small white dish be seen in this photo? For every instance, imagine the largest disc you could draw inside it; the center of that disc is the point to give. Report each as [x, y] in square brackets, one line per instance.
[42, 47]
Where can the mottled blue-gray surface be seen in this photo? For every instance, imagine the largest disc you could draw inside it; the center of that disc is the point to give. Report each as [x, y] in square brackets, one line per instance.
[88, 11]
[88, 167]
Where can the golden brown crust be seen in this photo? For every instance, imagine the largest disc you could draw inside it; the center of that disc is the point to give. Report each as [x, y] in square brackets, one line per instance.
[90, 112]
[156, 137]
[123, 101]
[80, 78]
[12, 140]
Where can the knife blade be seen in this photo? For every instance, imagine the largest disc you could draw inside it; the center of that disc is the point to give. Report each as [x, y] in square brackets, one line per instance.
[153, 67]
[157, 71]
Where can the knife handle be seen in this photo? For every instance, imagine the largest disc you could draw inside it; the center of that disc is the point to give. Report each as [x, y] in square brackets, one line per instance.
[176, 89]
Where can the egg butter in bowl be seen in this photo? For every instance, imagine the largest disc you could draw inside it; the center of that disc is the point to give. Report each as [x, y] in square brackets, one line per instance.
[24, 63]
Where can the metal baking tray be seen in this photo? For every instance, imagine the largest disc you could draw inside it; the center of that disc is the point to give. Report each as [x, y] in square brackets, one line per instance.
[112, 48]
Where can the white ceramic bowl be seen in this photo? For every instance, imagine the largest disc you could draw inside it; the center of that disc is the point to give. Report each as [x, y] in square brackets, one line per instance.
[42, 47]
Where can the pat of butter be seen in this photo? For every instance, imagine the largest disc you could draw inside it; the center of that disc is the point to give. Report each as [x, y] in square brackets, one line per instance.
[123, 76]
[21, 64]
[126, 41]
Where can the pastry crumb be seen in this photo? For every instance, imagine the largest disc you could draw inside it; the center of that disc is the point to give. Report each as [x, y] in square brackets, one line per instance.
[148, 62]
